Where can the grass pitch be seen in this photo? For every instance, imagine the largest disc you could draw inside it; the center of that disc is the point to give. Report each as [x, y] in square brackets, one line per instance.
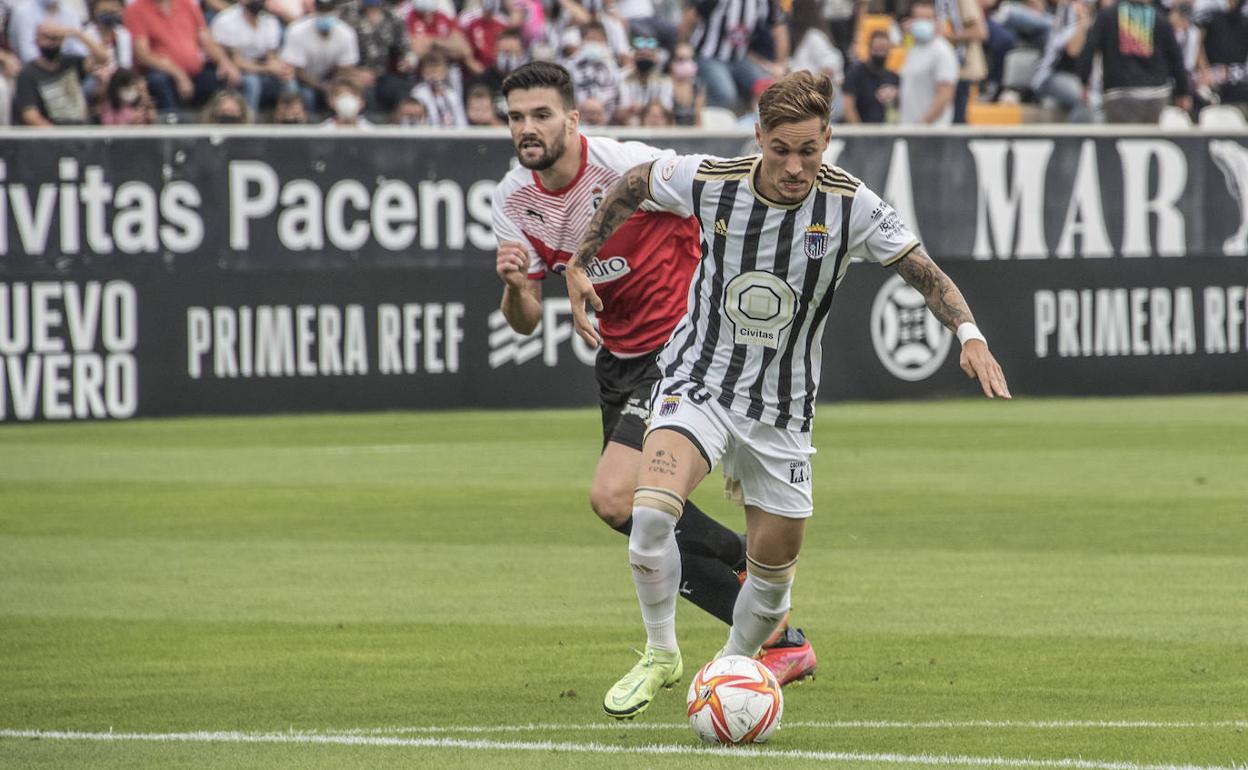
[1044, 583]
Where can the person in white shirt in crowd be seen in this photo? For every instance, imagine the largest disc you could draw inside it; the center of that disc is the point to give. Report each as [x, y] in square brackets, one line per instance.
[593, 68]
[106, 29]
[930, 74]
[346, 100]
[321, 48]
[442, 98]
[644, 82]
[253, 38]
[26, 17]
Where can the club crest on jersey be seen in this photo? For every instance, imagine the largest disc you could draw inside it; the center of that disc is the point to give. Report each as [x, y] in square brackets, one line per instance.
[669, 406]
[816, 241]
[597, 197]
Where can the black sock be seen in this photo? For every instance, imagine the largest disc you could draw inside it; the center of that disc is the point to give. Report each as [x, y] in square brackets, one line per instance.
[700, 535]
[709, 584]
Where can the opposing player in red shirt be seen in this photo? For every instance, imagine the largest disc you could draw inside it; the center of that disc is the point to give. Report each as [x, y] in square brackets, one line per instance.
[642, 274]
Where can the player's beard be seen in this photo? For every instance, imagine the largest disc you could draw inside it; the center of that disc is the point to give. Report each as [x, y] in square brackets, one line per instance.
[550, 156]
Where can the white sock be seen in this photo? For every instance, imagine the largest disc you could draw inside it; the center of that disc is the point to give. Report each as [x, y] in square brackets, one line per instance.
[655, 561]
[759, 609]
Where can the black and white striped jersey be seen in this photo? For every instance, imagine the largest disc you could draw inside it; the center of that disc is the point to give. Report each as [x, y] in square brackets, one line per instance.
[726, 27]
[752, 333]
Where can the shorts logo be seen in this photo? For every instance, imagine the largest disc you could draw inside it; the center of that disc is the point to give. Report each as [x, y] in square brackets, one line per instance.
[909, 341]
[669, 406]
[816, 241]
[799, 472]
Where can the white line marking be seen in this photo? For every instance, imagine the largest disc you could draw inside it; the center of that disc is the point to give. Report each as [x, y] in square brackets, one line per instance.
[844, 725]
[599, 748]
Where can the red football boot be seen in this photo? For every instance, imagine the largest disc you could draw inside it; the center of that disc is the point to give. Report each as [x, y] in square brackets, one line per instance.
[790, 656]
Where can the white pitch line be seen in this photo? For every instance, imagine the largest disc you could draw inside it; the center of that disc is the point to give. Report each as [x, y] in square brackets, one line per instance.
[843, 725]
[601, 748]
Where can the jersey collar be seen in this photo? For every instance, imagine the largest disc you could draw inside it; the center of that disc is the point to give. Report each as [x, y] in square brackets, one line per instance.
[768, 201]
[580, 172]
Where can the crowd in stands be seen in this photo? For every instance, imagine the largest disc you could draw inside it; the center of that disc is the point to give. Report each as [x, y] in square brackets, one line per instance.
[652, 63]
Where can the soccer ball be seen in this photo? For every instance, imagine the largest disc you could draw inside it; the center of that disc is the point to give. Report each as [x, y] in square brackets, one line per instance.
[734, 699]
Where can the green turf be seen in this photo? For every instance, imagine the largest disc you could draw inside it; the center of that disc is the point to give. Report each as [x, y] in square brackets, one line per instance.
[1042, 560]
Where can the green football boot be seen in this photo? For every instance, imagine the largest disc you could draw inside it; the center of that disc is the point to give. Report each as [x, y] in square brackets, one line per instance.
[631, 695]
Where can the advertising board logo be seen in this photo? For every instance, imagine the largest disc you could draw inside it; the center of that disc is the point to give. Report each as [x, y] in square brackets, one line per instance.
[509, 346]
[1232, 159]
[908, 339]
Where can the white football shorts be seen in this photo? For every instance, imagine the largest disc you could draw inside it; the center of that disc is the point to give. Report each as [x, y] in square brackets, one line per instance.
[764, 466]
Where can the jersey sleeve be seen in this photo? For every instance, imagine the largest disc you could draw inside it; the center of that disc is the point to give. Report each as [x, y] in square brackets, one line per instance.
[671, 183]
[506, 230]
[876, 233]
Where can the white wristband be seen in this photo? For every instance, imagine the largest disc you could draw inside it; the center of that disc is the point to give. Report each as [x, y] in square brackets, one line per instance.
[969, 331]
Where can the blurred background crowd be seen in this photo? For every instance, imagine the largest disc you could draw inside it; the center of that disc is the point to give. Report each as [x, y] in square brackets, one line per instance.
[652, 63]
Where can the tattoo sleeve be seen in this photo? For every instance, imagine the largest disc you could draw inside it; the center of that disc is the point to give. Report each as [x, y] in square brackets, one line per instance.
[940, 293]
[624, 197]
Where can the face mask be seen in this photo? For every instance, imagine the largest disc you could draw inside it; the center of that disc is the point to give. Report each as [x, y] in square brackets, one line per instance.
[229, 119]
[347, 106]
[324, 24]
[878, 61]
[110, 19]
[128, 95]
[424, 6]
[506, 62]
[685, 70]
[595, 51]
[51, 53]
[923, 30]
[645, 66]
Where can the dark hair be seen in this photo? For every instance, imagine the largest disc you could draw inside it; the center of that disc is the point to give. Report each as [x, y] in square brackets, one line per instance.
[541, 74]
[879, 33]
[289, 97]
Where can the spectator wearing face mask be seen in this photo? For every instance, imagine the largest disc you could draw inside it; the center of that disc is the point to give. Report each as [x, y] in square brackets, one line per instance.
[434, 32]
[253, 38]
[387, 64]
[688, 95]
[593, 69]
[106, 29]
[871, 87]
[643, 82]
[26, 17]
[346, 100]
[438, 92]
[508, 54]
[930, 74]
[49, 89]
[126, 101]
[410, 113]
[289, 110]
[321, 48]
[227, 107]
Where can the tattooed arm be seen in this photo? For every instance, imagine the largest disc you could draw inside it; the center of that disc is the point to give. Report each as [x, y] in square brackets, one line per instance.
[622, 199]
[949, 307]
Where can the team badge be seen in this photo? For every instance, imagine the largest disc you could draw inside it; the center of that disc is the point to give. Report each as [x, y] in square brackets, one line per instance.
[669, 406]
[669, 170]
[816, 241]
[597, 197]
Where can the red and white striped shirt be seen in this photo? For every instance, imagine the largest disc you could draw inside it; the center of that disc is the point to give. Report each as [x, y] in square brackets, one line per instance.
[643, 271]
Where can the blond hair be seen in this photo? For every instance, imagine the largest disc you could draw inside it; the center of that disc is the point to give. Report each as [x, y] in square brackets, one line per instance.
[794, 98]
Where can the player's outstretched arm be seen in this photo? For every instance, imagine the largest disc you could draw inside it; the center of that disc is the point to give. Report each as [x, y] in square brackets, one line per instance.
[622, 199]
[949, 306]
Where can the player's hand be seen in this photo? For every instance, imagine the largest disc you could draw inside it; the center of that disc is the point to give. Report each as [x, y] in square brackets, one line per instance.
[580, 291]
[512, 264]
[978, 363]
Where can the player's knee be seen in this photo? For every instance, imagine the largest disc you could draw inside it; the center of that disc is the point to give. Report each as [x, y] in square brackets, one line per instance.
[655, 512]
[612, 505]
